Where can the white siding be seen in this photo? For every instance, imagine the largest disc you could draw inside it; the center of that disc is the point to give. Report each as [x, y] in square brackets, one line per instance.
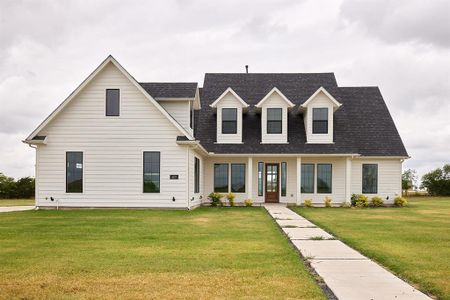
[179, 110]
[274, 101]
[195, 198]
[229, 101]
[389, 177]
[113, 149]
[320, 101]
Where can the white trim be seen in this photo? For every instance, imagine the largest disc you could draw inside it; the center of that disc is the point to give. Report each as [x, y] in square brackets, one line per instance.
[280, 155]
[336, 103]
[88, 79]
[36, 142]
[229, 90]
[290, 104]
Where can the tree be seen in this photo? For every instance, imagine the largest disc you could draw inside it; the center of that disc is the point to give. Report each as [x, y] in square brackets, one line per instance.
[7, 186]
[24, 188]
[409, 179]
[437, 182]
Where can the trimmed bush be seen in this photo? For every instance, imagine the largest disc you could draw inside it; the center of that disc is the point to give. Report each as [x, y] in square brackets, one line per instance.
[353, 199]
[308, 203]
[400, 201]
[362, 201]
[377, 202]
[248, 202]
[230, 198]
[216, 199]
[327, 201]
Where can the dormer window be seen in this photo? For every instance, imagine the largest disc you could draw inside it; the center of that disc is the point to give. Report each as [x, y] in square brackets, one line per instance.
[320, 120]
[229, 120]
[274, 120]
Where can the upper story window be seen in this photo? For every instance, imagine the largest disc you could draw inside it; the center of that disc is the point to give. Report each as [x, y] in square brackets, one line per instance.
[112, 102]
[274, 120]
[320, 120]
[229, 120]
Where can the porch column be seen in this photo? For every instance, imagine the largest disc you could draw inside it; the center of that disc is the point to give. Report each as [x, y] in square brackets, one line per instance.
[298, 188]
[250, 178]
[348, 178]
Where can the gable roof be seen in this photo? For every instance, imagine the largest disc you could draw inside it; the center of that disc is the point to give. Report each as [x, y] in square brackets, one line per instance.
[109, 59]
[170, 89]
[275, 90]
[336, 103]
[229, 90]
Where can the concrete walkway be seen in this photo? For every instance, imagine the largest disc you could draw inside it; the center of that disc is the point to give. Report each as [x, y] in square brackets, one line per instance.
[15, 208]
[348, 273]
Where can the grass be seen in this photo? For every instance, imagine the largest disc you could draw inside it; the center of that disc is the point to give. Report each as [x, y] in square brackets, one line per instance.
[104, 254]
[413, 242]
[16, 202]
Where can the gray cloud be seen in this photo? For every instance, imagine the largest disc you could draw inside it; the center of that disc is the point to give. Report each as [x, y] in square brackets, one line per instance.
[48, 47]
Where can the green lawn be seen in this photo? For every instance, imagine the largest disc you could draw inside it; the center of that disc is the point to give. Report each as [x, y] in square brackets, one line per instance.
[413, 242]
[205, 253]
[16, 202]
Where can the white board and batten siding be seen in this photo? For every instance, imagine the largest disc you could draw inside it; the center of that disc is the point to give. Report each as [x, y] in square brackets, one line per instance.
[112, 149]
[229, 101]
[274, 101]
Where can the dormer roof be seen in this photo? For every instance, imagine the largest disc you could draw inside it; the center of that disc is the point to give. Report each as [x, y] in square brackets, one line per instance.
[229, 90]
[336, 104]
[275, 90]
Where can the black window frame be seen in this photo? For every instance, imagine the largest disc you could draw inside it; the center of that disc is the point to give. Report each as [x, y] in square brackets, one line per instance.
[271, 129]
[233, 177]
[370, 189]
[320, 126]
[144, 186]
[260, 178]
[319, 187]
[107, 104]
[70, 189]
[310, 178]
[196, 175]
[224, 190]
[226, 129]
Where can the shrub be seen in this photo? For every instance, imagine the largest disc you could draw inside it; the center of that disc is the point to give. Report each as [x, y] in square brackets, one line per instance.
[308, 203]
[328, 201]
[377, 201]
[248, 202]
[362, 201]
[400, 201]
[230, 198]
[216, 199]
[346, 204]
[353, 199]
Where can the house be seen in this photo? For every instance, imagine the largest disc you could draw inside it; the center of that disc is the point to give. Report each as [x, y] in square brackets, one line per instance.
[117, 142]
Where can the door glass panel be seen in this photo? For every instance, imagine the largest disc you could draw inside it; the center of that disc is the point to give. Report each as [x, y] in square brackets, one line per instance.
[272, 179]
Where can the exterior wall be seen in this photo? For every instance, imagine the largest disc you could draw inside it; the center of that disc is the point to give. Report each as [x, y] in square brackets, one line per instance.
[321, 100]
[389, 177]
[229, 101]
[274, 101]
[179, 110]
[113, 150]
[195, 198]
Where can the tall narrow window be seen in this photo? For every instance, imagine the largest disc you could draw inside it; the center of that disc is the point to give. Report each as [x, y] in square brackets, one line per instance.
[229, 120]
[74, 172]
[112, 102]
[320, 120]
[238, 178]
[324, 178]
[283, 178]
[221, 178]
[151, 172]
[307, 178]
[260, 178]
[370, 178]
[197, 175]
[274, 120]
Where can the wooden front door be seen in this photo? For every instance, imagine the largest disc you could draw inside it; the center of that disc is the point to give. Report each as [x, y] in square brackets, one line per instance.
[272, 183]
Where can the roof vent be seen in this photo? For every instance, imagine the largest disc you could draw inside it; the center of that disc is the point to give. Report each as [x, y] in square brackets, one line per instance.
[246, 69]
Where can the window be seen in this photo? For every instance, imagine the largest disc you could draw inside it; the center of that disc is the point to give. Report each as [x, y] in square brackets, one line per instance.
[238, 178]
[229, 120]
[370, 178]
[197, 175]
[320, 120]
[151, 172]
[283, 178]
[74, 172]
[260, 178]
[307, 178]
[274, 120]
[221, 178]
[112, 102]
[324, 177]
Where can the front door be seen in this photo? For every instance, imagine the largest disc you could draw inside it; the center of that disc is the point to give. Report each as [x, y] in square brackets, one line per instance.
[272, 183]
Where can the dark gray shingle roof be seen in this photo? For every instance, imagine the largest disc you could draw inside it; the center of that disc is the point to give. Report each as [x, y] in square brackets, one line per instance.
[170, 89]
[362, 125]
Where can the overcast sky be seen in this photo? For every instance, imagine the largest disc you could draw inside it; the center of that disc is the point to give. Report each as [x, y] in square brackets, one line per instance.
[48, 47]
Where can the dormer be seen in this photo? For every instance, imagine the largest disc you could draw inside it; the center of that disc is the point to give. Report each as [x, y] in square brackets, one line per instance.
[318, 112]
[229, 109]
[274, 117]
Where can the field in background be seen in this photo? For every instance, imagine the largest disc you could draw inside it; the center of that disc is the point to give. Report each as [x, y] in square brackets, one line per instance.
[16, 202]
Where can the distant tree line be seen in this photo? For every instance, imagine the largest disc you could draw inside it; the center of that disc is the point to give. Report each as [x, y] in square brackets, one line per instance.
[12, 189]
[437, 182]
